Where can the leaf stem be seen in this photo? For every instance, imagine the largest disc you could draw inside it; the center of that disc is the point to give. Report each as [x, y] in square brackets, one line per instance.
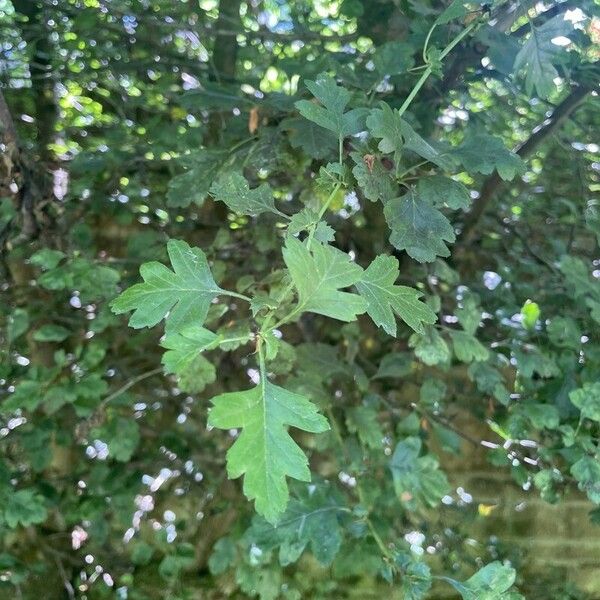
[429, 68]
[235, 295]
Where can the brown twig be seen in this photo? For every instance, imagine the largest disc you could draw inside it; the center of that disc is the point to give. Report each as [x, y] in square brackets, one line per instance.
[493, 183]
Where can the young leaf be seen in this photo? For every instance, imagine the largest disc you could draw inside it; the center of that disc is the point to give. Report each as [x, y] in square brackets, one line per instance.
[184, 295]
[418, 227]
[482, 153]
[184, 346]
[265, 453]
[537, 54]
[318, 274]
[396, 134]
[384, 298]
[233, 190]
[331, 115]
[386, 124]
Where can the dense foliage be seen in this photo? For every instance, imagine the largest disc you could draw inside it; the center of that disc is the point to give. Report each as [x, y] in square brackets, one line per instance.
[354, 241]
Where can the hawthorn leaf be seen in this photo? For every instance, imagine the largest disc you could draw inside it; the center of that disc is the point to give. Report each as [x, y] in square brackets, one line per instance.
[315, 141]
[384, 299]
[264, 452]
[538, 53]
[393, 58]
[443, 191]
[362, 420]
[417, 479]
[418, 227]
[199, 373]
[415, 143]
[430, 347]
[310, 520]
[308, 219]
[587, 473]
[482, 153]
[233, 190]
[193, 185]
[587, 400]
[386, 124]
[489, 583]
[24, 507]
[182, 296]
[397, 134]
[184, 346]
[373, 178]
[318, 275]
[467, 347]
[331, 115]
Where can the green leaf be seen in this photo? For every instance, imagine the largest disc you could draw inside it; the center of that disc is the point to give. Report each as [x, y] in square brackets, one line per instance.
[17, 324]
[393, 58]
[482, 153]
[184, 295]
[233, 190]
[310, 520]
[47, 258]
[455, 10]
[587, 472]
[395, 364]
[193, 185]
[415, 143]
[331, 115]
[430, 347]
[443, 191]
[541, 415]
[308, 219]
[222, 557]
[264, 452]
[418, 227]
[363, 421]
[318, 274]
[24, 507]
[122, 436]
[530, 313]
[489, 583]
[315, 141]
[396, 134]
[467, 347]
[587, 400]
[199, 373]
[564, 332]
[373, 178]
[537, 54]
[384, 298]
[184, 346]
[386, 125]
[417, 479]
[51, 333]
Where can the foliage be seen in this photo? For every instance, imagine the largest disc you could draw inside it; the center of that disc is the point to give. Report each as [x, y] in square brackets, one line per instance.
[356, 245]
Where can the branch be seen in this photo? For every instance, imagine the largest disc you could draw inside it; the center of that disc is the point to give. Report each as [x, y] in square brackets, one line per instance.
[9, 131]
[493, 183]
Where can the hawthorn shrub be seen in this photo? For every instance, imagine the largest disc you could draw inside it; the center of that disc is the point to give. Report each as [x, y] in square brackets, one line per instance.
[270, 269]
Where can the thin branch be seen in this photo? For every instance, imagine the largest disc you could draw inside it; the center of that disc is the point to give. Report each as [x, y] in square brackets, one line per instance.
[128, 385]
